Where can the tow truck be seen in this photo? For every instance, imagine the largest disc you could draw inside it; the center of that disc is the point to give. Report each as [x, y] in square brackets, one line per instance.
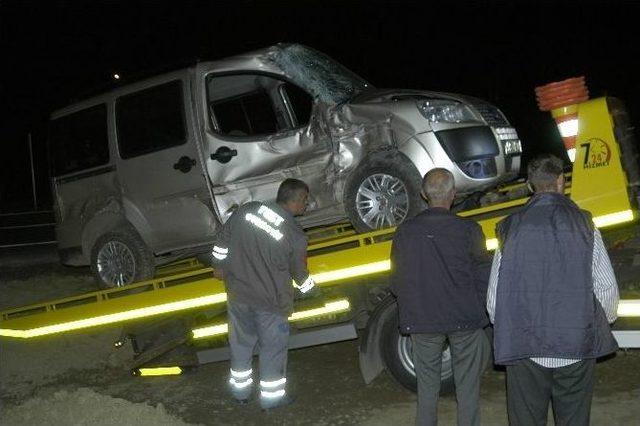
[177, 320]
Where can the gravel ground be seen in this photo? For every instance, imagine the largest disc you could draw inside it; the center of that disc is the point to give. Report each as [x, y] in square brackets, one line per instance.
[79, 378]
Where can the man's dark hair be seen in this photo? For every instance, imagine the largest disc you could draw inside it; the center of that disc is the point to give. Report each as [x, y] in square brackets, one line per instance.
[543, 172]
[290, 190]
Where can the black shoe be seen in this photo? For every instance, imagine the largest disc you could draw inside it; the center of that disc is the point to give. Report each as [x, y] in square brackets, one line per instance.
[282, 402]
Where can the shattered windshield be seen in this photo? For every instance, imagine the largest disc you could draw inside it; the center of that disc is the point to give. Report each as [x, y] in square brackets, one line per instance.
[324, 78]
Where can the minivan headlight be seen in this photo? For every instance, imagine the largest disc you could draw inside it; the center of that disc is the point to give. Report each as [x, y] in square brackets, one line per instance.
[445, 111]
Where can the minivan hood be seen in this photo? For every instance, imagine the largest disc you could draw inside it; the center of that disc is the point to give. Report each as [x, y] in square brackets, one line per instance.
[390, 95]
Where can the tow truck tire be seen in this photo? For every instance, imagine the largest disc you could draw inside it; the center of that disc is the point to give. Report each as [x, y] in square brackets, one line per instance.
[121, 251]
[398, 184]
[397, 355]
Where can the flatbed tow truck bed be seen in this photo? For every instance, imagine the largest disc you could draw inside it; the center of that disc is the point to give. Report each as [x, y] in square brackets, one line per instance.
[351, 268]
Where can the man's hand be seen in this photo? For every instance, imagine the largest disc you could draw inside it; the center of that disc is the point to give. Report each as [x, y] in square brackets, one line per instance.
[218, 273]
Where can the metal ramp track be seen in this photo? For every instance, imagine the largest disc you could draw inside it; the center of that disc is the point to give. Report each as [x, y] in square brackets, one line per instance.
[332, 258]
[330, 262]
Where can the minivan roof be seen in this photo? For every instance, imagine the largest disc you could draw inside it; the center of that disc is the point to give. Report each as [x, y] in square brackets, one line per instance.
[96, 94]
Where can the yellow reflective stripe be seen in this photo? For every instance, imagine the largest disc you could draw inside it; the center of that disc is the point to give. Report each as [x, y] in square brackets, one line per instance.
[213, 330]
[354, 271]
[7, 332]
[328, 308]
[613, 218]
[629, 308]
[117, 317]
[160, 371]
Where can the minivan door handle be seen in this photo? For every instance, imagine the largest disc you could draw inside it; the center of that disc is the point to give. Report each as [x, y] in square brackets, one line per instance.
[184, 164]
[224, 154]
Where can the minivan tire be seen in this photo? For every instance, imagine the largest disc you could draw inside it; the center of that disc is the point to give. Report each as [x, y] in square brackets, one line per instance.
[398, 359]
[399, 174]
[121, 248]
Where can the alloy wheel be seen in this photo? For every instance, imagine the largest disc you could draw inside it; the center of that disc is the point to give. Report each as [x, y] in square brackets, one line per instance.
[116, 264]
[382, 201]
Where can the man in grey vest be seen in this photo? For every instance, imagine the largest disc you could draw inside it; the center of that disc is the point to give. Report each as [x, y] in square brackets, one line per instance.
[260, 250]
[440, 274]
[552, 294]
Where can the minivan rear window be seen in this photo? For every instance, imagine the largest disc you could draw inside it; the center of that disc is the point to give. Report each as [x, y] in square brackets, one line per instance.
[150, 120]
[79, 141]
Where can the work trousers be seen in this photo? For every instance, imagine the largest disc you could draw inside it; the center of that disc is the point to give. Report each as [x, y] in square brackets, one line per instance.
[469, 354]
[530, 387]
[249, 327]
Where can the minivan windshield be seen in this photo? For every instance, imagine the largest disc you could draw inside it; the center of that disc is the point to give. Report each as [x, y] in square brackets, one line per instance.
[324, 78]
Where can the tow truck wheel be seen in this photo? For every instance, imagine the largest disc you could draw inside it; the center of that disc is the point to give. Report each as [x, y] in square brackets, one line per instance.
[121, 257]
[383, 193]
[397, 353]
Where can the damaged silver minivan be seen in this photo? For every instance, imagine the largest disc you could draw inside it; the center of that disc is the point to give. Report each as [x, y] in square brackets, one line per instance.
[147, 172]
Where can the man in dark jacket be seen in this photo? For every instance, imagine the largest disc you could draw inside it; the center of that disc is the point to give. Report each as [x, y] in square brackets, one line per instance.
[260, 250]
[552, 293]
[440, 271]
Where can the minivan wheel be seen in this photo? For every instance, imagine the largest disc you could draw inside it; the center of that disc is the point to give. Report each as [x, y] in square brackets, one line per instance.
[383, 194]
[121, 257]
[397, 353]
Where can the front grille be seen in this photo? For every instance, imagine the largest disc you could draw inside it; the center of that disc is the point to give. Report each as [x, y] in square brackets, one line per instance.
[468, 143]
[489, 113]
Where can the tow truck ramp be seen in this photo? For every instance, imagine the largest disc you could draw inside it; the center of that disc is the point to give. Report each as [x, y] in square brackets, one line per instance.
[341, 262]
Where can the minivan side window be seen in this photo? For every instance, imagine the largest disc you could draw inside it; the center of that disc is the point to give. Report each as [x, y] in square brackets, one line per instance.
[255, 105]
[246, 115]
[150, 120]
[79, 141]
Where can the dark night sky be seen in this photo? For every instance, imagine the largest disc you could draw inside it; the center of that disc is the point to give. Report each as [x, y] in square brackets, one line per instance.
[52, 52]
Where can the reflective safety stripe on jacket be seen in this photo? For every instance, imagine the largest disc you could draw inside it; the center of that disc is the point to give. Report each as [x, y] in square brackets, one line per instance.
[220, 253]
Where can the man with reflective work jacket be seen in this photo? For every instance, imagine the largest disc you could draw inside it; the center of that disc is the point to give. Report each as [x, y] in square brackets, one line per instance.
[440, 271]
[260, 250]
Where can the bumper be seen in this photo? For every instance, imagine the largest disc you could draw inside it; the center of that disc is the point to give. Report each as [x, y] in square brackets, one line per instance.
[474, 155]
